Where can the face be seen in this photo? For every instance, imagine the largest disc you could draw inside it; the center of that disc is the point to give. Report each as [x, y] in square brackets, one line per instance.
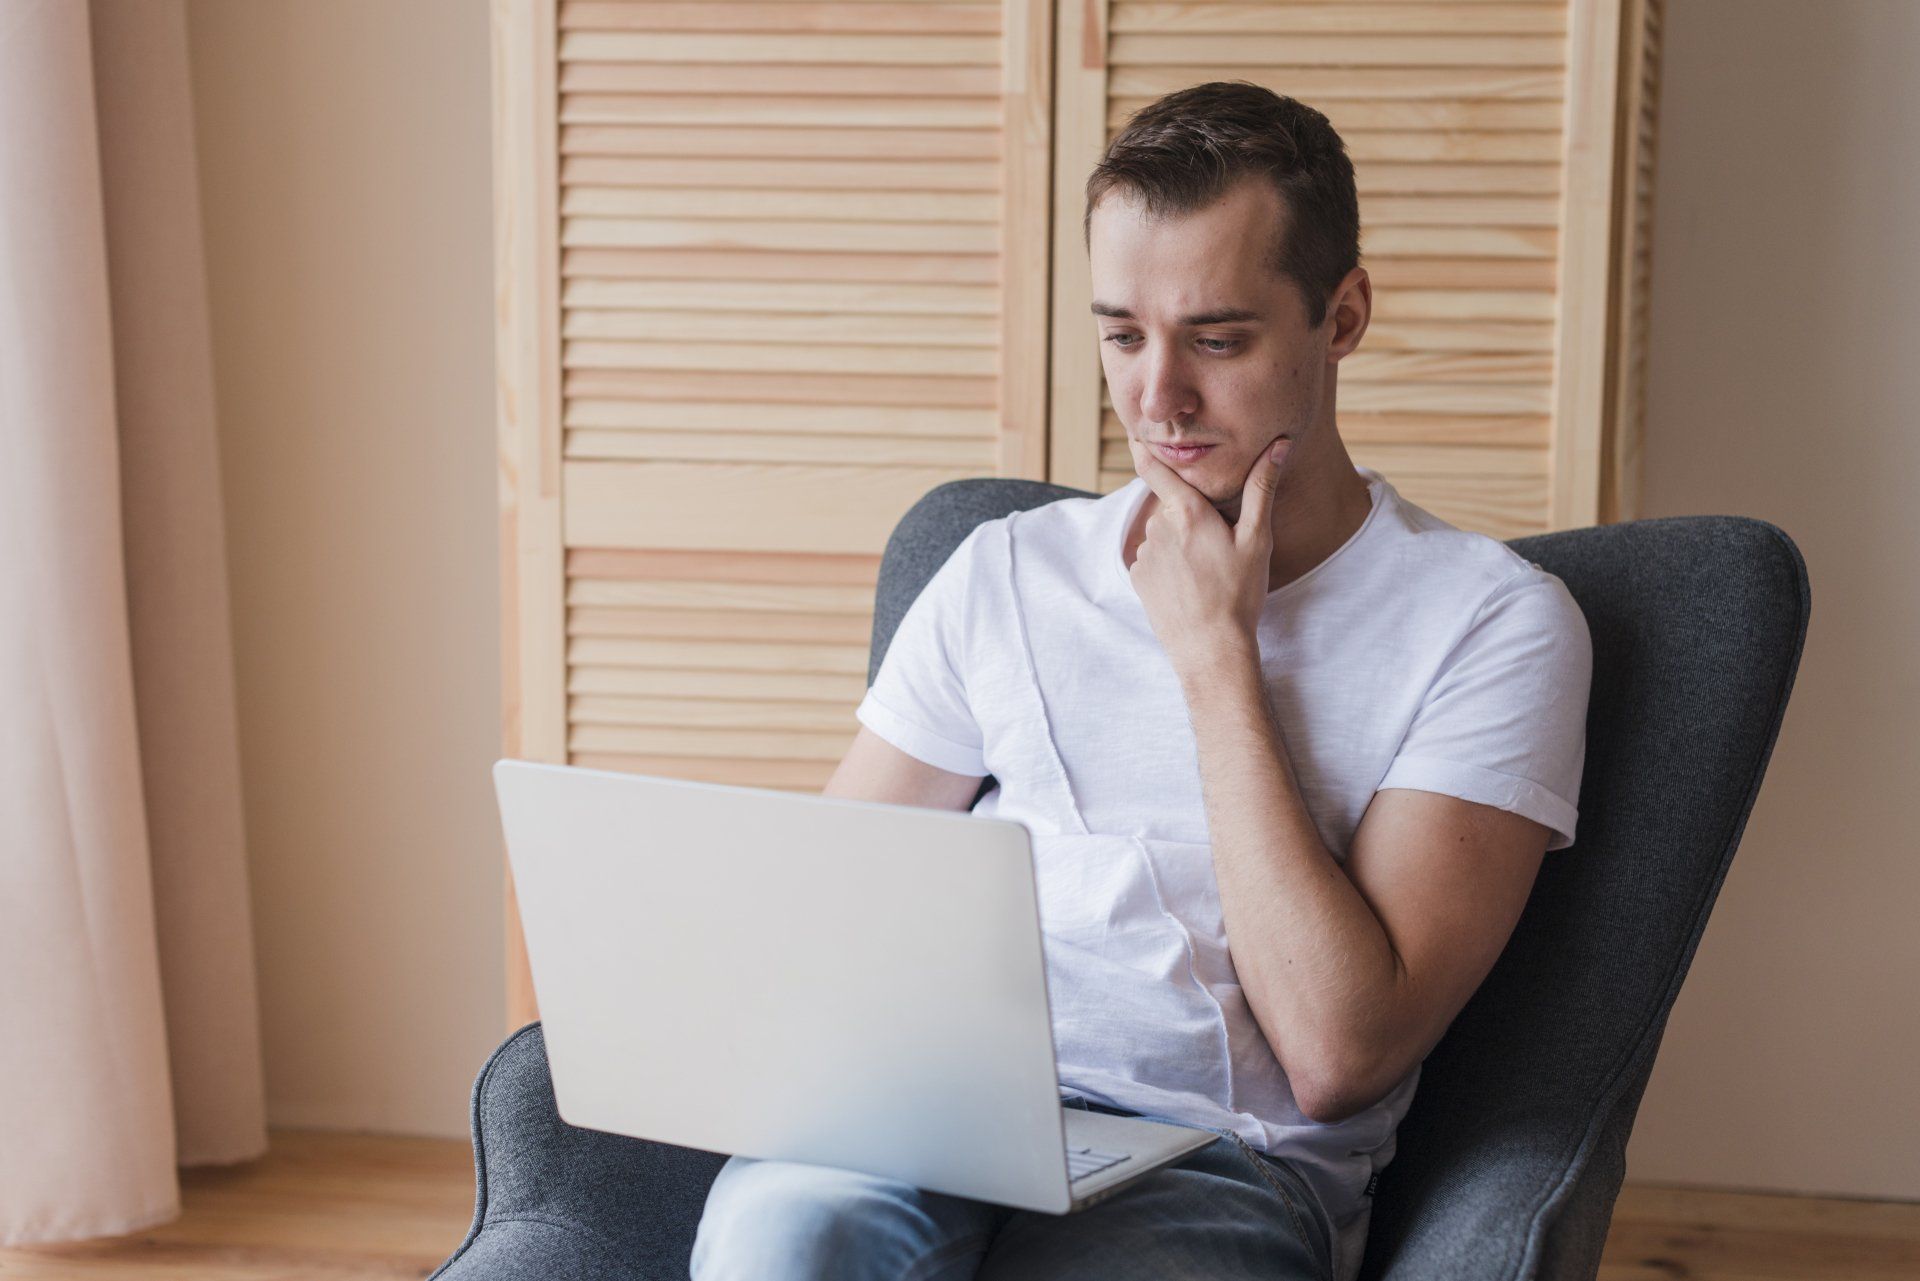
[1203, 342]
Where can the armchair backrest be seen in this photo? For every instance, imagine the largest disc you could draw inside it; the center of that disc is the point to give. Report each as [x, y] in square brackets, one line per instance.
[1513, 1152]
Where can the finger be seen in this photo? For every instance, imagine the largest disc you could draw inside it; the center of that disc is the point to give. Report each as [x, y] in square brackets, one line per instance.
[1256, 495]
[1174, 492]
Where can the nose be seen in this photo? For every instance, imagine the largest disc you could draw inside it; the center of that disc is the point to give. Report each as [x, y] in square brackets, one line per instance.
[1166, 393]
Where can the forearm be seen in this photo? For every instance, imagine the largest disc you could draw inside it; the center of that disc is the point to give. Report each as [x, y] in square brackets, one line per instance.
[1317, 968]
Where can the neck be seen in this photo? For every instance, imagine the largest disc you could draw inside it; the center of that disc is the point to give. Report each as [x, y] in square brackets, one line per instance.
[1318, 507]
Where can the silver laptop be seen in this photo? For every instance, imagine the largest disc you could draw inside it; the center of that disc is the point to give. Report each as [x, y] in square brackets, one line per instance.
[806, 978]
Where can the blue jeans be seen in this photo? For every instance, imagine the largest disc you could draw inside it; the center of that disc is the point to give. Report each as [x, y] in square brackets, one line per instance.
[1225, 1211]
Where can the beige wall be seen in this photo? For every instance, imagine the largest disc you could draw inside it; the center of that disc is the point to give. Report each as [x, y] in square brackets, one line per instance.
[345, 177]
[1785, 384]
[345, 152]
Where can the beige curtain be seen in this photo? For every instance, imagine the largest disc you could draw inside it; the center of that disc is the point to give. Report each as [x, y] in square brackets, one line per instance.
[131, 1033]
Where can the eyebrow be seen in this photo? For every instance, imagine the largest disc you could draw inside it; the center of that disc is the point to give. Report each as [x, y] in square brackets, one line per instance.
[1219, 316]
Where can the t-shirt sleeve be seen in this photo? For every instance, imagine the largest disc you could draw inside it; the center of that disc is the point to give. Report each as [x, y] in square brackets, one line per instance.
[918, 700]
[1504, 722]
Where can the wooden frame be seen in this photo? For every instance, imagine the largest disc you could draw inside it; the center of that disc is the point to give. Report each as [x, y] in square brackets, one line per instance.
[1476, 416]
[527, 314]
[1025, 219]
[1079, 138]
[1583, 349]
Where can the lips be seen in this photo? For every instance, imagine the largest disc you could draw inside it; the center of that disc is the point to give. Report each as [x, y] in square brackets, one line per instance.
[1181, 453]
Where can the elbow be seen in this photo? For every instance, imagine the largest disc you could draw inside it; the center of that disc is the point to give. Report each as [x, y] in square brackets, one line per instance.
[1334, 1094]
[1330, 1106]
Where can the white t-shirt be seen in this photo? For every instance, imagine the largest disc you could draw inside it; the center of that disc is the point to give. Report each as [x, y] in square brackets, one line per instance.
[1418, 655]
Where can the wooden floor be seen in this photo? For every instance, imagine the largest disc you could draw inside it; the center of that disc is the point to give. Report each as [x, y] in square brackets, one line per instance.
[325, 1207]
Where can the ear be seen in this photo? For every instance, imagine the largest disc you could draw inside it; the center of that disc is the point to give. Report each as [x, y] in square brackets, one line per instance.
[1349, 310]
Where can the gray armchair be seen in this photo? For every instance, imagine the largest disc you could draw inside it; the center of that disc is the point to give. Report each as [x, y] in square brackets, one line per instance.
[1511, 1157]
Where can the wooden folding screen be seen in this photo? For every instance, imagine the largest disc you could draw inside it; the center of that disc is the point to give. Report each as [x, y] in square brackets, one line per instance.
[769, 271]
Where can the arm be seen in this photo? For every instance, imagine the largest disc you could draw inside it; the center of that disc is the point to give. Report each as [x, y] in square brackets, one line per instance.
[875, 770]
[1353, 973]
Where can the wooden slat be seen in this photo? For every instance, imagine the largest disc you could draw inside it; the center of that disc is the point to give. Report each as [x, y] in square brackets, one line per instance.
[702, 566]
[728, 78]
[1461, 242]
[832, 418]
[1444, 366]
[1379, 178]
[793, 234]
[894, 361]
[754, 46]
[736, 15]
[665, 325]
[1342, 19]
[795, 388]
[697, 264]
[749, 687]
[1446, 398]
[740, 507]
[1254, 49]
[1510, 146]
[748, 744]
[670, 593]
[1334, 84]
[714, 624]
[841, 660]
[1466, 304]
[789, 111]
[798, 776]
[1387, 335]
[1454, 273]
[761, 296]
[1405, 114]
[751, 203]
[787, 144]
[1462, 211]
[712, 713]
[975, 456]
[780, 172]
[1366, 430]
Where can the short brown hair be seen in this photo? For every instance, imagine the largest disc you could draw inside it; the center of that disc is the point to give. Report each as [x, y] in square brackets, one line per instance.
[1184, 152]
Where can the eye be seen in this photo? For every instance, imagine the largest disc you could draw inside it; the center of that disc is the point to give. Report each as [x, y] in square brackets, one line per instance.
[1115, 340]
[1226, 344]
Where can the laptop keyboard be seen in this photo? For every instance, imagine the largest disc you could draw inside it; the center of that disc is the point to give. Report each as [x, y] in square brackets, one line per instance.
[1084, 1161]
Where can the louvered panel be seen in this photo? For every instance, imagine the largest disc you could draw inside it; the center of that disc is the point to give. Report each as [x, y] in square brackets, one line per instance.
[779, 281]
[1454, 114]
[751, 666]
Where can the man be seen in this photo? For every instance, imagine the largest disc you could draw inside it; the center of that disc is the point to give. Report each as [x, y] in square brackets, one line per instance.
[1291, 748]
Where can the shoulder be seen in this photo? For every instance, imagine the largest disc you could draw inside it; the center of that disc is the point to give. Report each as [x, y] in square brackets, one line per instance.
[1478, 573]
